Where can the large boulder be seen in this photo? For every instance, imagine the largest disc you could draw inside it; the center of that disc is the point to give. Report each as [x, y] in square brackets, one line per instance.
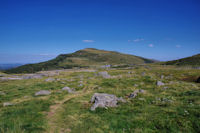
[104, 100]
[42, 92]
[198, 80]
[104, 74]
[69, 90]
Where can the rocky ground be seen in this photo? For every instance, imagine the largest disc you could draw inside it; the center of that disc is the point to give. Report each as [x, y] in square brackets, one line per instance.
[134, 99]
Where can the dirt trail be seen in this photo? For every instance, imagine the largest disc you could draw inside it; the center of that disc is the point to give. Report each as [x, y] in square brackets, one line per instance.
[51, 116]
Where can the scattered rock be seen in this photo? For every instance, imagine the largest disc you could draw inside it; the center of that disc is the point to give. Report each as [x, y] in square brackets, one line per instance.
[198, 80]
[7, 104]
[159, 83]
[104, 74]
[162, 76]
[135, 93]
[104, 100]
[42, 92]
[32, 76]
[69, 90]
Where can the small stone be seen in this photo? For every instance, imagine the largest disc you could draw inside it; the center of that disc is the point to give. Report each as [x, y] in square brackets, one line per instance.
[159, 83]
[42, 92]
[2, 93]
[69, 90]
[80, 85]
[7, 104]
[50, 80]
[135, 85]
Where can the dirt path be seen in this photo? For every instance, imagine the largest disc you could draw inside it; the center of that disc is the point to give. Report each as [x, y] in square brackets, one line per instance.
[51, 116]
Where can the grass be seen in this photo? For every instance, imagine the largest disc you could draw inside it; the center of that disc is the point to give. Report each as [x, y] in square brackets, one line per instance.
[175, 109]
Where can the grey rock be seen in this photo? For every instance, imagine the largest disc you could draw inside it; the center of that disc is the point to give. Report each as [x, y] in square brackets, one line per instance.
[135, 85]
[32, 76]
[50, 80]
[80, 85]
[68, 89]
[162, 76]
[10, 78]
[159, 83]
[7, 104]
[135, 93]
[42, 92]
[106, 66]
[104, 100]
[2, 93]
[104, 74]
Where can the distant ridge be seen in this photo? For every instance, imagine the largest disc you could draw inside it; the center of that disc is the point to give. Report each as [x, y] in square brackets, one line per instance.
[188, 61]
[82, 58]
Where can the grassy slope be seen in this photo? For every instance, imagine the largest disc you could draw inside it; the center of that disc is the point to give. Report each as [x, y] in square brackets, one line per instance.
[82, 58]
[175, 109]
[189, 61]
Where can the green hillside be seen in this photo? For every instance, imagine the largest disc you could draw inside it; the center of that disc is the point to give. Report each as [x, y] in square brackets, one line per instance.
[188, 61]
[82, 58]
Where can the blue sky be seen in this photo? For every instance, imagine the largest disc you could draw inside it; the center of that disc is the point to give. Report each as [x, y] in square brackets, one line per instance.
[38, 30]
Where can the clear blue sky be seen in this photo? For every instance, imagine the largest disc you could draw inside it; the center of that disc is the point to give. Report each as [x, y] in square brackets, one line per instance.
[38, 30]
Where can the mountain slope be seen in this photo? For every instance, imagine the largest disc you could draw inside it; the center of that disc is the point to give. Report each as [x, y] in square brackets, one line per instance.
[82, 58]
[193, 61]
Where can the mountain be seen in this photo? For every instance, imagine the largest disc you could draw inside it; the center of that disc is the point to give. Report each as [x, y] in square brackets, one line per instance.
[188, 61]
[82, 58]
[9, 66]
